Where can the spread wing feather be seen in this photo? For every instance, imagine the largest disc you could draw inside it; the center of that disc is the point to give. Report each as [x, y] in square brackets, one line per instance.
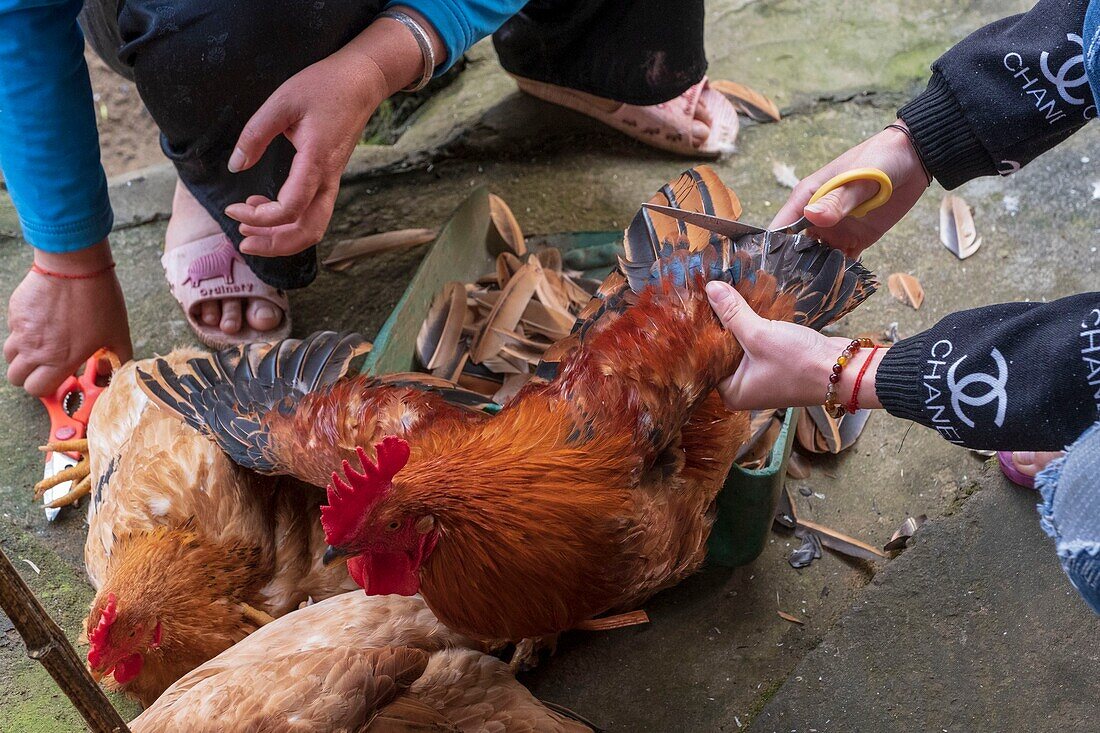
[291, 407]
[658, 289]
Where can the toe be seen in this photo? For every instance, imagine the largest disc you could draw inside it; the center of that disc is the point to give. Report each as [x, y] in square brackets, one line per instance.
[1030, 463]
[211, 312]
[700, 131]
[231, 316]
[263, 315]
[702, 112]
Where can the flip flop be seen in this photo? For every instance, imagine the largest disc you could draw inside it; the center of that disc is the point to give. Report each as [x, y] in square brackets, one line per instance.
[212, 269]
[1013, 474]
[666, 126]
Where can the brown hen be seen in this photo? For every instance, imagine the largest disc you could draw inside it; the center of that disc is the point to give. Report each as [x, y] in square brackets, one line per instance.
[189, 552]
[353, 663]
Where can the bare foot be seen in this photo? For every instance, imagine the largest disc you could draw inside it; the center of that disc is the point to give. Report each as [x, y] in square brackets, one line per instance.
[1030, 463]
[191, 222]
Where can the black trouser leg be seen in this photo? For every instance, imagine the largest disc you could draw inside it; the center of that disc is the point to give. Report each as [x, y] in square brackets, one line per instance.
[634, 51]
[203, 67]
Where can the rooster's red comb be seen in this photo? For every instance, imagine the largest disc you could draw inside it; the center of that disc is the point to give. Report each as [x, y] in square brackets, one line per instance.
[349, 501]
[97, 637]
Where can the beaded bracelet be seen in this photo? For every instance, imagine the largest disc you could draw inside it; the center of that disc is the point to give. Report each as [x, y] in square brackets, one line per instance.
[832, 408]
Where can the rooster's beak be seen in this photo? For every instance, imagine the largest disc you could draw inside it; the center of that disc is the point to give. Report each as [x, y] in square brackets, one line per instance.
[96, 675]
[332, 554]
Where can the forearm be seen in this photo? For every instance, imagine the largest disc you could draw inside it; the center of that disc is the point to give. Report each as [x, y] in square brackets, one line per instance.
[92, 259]
[1004, 95]
[1016, 376]
[49, 149]
[388, 50]
[461, 23]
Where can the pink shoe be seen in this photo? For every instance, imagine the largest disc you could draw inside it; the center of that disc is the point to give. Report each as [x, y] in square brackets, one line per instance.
[212, 269]
[666, 126]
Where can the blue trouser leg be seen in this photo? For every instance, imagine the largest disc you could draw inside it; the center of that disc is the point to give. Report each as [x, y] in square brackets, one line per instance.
[1070, 512]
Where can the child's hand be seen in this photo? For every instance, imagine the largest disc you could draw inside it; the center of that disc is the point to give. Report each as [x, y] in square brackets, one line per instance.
[889, 151]
[785, 365]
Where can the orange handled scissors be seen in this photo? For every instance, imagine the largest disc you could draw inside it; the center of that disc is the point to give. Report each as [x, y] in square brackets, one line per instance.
[69, 409]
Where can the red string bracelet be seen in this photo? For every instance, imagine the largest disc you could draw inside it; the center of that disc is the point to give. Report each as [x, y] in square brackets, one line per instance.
[65, 276]
[854, 404]
[833, 407]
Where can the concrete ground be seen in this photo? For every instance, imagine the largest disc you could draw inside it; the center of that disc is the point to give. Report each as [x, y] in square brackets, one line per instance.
[903, 645]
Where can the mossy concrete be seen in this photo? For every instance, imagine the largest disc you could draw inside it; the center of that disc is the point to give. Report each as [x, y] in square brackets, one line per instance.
[716, 649]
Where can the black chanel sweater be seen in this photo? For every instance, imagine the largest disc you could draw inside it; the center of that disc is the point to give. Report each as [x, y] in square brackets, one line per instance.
[1007, 93]
[1018, 376]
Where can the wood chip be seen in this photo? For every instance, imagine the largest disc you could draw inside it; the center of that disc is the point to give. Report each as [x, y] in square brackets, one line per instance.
[437, 342]
[506, 313]
[344, 254]
[842, 543]
[798, 467]
[507, 265]
[906, 289]
[793, 619]
[748, 101]
[550, 257]
[513, 383]
[900, 539]
[505, 233]
[618, 621]
[957, 230]
[550, 293]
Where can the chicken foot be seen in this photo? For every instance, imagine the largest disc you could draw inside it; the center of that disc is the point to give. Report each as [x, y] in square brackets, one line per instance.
[526, 654]
[73, 473]
[256, 616]
[76, 445]
[80, 474]
[80, 489]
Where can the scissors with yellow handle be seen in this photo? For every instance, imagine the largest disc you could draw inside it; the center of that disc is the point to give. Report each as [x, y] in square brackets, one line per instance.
[735, 229]
[885, 191]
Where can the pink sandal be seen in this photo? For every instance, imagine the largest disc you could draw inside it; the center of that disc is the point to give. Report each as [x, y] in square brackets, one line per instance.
[666, 126]
[212, 269]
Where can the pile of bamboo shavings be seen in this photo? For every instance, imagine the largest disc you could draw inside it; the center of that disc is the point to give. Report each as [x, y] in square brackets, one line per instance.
[488, 336]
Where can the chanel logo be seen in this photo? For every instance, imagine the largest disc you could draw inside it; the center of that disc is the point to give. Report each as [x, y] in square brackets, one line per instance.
[1060, 80]
[995, 392]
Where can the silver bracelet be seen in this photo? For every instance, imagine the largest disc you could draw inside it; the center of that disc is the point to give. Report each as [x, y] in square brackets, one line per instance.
[422, 40]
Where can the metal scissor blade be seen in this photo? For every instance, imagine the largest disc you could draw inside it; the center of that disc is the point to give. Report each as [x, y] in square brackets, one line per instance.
[56, 463]
[716, 224]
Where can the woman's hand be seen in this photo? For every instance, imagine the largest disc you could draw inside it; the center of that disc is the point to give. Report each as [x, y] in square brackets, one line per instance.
[890, 151]
[785, 365]
[322, 110]
[56, 324]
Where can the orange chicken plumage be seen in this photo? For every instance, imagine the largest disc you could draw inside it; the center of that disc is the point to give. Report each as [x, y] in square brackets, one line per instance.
[189, 552]
[358, 664]
[594, 487]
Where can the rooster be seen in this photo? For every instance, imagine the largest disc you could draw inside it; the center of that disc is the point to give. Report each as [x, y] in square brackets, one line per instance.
[353, 663]
[594, 487]
[189, 552]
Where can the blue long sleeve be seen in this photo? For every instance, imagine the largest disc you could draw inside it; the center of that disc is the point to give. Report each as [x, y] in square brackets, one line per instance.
[49, 146]
[462, 23]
